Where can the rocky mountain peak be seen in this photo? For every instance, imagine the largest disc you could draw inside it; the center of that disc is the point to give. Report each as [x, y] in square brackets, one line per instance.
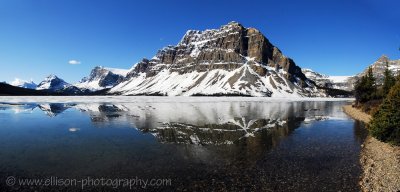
[378, 69]
[383, 59]
[101, 77]
[97, 72]
[243, 54]
[52, 82]
[233, 25]
[51, 77]
[230, 44]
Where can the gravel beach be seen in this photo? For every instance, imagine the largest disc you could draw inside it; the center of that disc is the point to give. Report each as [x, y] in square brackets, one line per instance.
[380, 161]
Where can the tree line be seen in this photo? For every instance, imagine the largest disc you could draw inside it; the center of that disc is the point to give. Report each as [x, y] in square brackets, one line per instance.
[383, 103]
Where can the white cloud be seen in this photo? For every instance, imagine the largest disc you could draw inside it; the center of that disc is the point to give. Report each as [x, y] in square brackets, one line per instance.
[74, 62]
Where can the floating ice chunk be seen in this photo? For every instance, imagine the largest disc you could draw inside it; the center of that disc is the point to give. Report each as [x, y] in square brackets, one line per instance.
[73, 129]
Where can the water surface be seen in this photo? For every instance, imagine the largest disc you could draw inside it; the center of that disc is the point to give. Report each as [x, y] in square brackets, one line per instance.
[203, 146]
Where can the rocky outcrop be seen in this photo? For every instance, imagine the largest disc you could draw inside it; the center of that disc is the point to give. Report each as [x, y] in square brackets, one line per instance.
[230, 44]
[213, 57]
[102, 78]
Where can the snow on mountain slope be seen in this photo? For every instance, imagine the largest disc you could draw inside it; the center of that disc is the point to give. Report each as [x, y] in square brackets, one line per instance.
[53, 83]
[231, 60]
[23, 83]
[313, 75]
[102, 78]
[241, 81]
[348, 82]
[335, 82]
[121, 72]
[339, 79]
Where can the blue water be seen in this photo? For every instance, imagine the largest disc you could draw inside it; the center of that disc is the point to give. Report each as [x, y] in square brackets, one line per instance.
[199, 146]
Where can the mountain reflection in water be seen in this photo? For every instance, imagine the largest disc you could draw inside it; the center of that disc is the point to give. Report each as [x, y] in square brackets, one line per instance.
[196, 123]
[201, 146]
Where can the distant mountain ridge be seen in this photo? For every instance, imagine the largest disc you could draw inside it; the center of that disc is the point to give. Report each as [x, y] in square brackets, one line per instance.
[347, 82]
[102, 78]
[335, 82]
[24, 84]
[229, 61]
[7, 89]
[378, 69]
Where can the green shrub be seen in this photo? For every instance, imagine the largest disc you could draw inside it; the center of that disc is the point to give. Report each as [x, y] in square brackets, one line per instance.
[385, 125]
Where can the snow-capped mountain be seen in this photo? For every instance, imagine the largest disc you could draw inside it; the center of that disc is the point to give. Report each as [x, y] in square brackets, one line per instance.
[23, 83]
[102, 78]
[335, 82]
[231, 60]
[378, 69]
[347, 82]
[53, 83]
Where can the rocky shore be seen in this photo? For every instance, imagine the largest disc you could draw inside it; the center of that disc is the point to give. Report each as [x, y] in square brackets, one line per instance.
[380, 161]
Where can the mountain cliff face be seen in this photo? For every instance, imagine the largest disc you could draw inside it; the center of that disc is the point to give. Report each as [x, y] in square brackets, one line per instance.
[231, 60]
[102, 78]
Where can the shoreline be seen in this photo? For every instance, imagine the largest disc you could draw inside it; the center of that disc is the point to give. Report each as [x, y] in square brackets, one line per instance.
[155, 99]
[380, 162]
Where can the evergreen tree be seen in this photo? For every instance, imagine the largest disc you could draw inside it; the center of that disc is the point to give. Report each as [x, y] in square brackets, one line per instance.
[371, 81]
[389, 81]
[359, 90]
[365, 88]
[385, 125]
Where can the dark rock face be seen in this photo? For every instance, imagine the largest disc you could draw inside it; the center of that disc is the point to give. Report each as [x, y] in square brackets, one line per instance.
[141, 67]
[110, 80]
[229, 45]
[228, 48]
[103, 77]
[106, 78]
[72, 90]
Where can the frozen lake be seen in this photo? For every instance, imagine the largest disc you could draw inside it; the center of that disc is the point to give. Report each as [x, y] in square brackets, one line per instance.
[199, 143]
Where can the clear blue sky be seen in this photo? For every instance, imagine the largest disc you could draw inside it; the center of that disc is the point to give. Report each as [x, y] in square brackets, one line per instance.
[335, 37]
